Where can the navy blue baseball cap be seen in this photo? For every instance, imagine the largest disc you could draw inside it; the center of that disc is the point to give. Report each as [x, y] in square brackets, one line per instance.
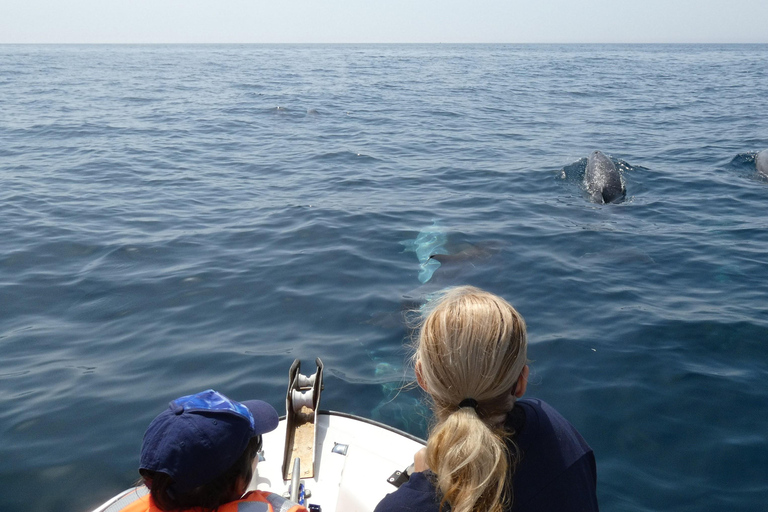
[201, 436]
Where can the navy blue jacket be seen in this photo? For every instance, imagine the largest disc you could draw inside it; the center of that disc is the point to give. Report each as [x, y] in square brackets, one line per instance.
[556, 472]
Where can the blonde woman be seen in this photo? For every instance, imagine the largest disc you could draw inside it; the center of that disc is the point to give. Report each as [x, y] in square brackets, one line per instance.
[489, 450]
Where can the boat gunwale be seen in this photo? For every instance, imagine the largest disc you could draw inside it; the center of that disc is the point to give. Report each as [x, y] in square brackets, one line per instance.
[370, 422]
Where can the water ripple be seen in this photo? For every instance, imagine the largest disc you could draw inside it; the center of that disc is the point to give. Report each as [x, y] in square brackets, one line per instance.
[183, 217]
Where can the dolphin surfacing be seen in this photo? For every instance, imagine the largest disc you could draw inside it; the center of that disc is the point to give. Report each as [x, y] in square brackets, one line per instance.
[602, 179]
[761, 162]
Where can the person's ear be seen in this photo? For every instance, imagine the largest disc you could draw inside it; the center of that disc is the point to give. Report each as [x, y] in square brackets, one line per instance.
[420, 377]
[522, 382]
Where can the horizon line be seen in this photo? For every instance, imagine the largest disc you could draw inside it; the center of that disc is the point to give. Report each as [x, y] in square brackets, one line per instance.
[628, 43]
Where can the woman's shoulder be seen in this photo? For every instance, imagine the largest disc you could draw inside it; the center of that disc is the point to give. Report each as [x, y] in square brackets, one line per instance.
[544, 429]
[537, 408]
[555, 460]
[539, 417]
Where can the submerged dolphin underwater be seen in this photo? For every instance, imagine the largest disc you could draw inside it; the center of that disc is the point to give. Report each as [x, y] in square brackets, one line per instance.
[429, 242]
[602, 179]
[434, 250]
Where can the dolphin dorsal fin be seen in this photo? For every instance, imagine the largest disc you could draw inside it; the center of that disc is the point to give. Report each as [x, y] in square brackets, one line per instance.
[442, 258]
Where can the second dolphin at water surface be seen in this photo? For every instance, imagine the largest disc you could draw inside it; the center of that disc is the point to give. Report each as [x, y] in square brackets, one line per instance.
[602, 179]
[761, 162]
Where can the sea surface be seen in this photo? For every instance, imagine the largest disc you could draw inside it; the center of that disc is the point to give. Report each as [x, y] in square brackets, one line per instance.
[177, 218]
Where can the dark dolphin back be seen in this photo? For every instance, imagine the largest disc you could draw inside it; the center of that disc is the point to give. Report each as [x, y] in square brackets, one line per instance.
[602, 179]
[761, 162]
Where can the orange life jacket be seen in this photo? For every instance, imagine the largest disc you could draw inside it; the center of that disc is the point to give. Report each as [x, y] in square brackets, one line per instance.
[139, 500]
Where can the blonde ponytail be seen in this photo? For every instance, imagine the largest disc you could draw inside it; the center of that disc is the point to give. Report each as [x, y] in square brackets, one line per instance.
[471, 346]
[469, 461]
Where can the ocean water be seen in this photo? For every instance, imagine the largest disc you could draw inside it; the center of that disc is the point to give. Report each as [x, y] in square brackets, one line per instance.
[176, 218]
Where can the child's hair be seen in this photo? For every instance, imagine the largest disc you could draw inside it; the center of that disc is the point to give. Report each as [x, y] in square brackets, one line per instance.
[471, 350]
[220, 490]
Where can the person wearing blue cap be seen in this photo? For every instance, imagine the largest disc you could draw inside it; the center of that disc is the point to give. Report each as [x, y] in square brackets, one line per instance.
[199, 455]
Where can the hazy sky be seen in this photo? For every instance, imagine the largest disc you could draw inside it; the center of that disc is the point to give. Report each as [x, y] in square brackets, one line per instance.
[383, 21]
